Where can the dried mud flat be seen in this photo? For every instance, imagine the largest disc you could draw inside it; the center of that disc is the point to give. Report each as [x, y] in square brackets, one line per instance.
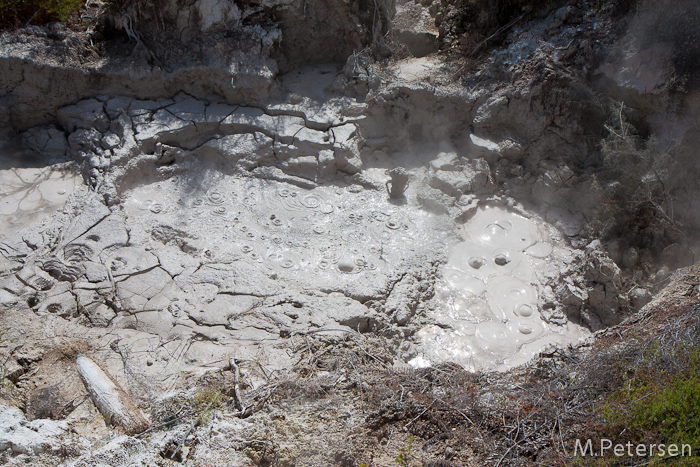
[217, 253]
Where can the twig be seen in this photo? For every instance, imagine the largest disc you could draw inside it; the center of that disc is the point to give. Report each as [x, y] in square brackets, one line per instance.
[419, 415]
[457, 410]
[164, 424]
[30, 19]
[498, 32]
[250, 410]
[184, 438]
[236, 378]
[510, 448]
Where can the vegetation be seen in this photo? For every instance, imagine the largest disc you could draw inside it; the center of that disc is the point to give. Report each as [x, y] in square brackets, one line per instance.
[205, 401]
[635, 203]
[660, 402]
[20, 13]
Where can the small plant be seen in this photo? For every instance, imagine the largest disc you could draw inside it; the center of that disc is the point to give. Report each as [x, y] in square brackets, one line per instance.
[19, 13]
[660, 402]
[205, 401]
[404, 457]
[4, 380]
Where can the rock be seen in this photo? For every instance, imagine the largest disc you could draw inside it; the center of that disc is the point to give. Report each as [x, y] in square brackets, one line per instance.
[415, 28]
[30, 438]
[448, 161]
[452, 183]
[478, 175]
[46, 140]
[491, 151]
[128, 261]
[326, 163]
[188, 109]
[662, 274]
[630, 258]
[639, 297]
[305, 166]
[434, 200]
[85, 114]
[217, 13]
[95, 272]
[152, 290]
[614, 248]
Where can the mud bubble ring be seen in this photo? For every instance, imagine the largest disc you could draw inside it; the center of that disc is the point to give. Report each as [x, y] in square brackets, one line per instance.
[311, 201]
[215, 198]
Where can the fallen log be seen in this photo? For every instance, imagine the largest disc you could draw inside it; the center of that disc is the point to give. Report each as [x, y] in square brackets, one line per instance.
[114, 404]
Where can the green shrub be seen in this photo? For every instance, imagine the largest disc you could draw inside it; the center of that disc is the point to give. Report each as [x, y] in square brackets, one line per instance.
[635, 203]
[660, 402]
[205, 401]
[19, 13]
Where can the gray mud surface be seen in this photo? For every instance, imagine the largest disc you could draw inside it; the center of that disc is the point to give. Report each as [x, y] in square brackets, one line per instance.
[293, 241]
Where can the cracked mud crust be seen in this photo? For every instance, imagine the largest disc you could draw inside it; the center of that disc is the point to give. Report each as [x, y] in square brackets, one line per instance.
[284, 237]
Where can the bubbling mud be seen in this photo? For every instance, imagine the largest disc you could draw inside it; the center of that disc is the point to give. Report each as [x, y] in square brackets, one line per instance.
[486, 310]
[327, 238]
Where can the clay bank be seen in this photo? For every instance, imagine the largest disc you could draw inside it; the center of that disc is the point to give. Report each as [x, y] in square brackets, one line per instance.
[196, 187]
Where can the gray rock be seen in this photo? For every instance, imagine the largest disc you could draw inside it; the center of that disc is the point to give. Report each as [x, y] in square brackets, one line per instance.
[452, 183]
[189, 110]
[46, 140]
[448, 161]
[639, 296]
[630, 257]
[147, 291]
[326, 163]
[85, 114]
[29, 438]
[434, 200]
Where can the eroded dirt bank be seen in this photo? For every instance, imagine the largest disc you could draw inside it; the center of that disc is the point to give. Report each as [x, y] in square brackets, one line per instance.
[296, 238]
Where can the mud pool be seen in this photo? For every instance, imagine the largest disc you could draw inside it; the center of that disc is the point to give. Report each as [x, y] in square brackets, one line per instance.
[488, 294]
[349, 240]
[217, 225]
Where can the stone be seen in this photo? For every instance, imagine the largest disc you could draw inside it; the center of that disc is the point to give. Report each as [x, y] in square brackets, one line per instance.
[630, 257]
[128, 261]
[434, 200]
[639, 296]
[95, 272]
[478, 174]
[49, 141]
[110, 141]
[403, 300]
[216, 113]
[85, 114]
[415, 28]
[343, 135]
[452, 183]
[136, 291]
[326, 163]
[30, 438]
[304, 166]
[217, 13]
[189, 110]
[100, 315]
[116, 106]
[448, 161]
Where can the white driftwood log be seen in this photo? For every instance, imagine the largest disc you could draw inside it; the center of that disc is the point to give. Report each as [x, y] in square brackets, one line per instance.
[113, 403]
